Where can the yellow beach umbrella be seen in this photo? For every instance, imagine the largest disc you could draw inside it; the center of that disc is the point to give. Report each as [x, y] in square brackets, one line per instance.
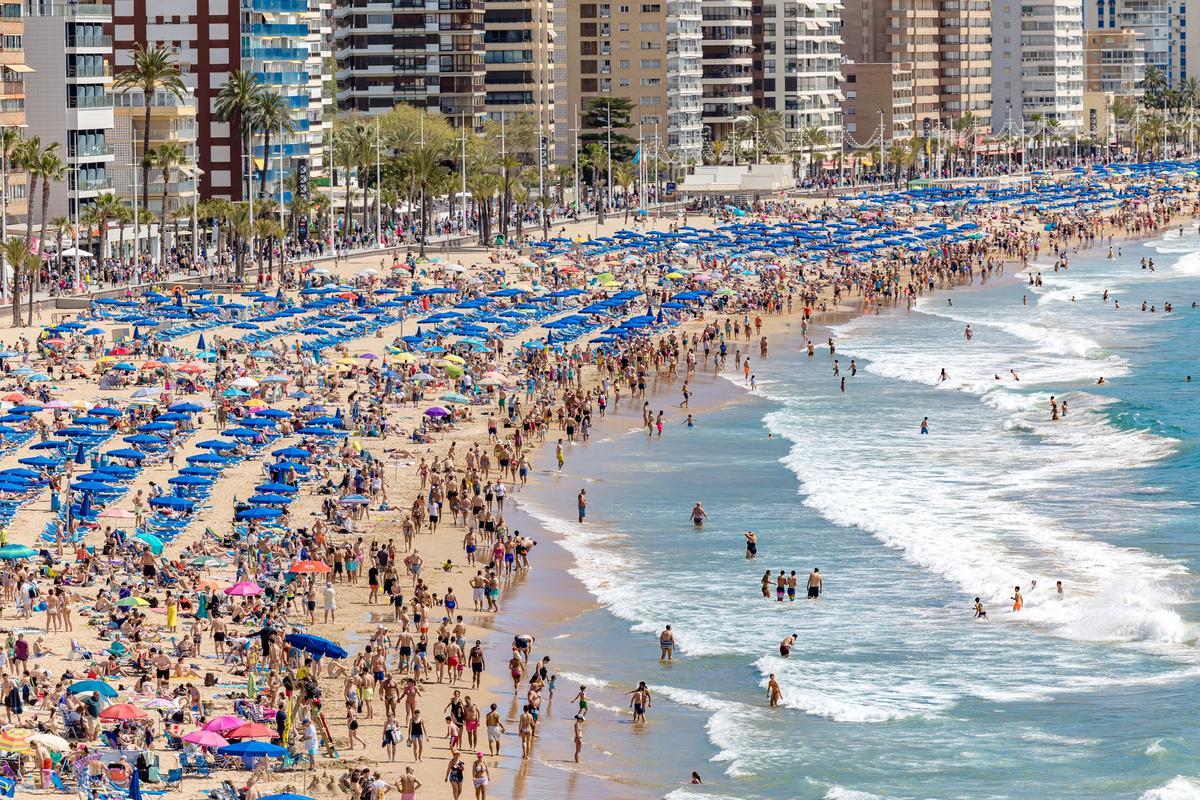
[404, 357]
[16, 741]
[453, 359]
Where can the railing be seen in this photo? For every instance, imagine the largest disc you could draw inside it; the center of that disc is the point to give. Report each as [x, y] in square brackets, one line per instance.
[103, 101]
[92, 185]
[103, 71]
[159, 100]
[90, 152]
[89, 41]
[76, 10]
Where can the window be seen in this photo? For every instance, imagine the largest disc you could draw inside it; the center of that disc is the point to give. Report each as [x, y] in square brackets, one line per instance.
[623, 27]
[651, 8]
[651, 81]
[624, 63]
[649, 27]
[652, 45]
[508, 57]
[651, 63]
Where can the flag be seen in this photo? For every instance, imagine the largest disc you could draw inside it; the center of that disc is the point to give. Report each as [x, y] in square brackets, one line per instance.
[637, 157]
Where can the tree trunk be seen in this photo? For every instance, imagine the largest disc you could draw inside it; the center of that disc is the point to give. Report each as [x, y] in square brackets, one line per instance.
[147, 98]
[424, 222]
[262, 180]
[45, 211]
[29, 211]
[162, 220]
[16, 294]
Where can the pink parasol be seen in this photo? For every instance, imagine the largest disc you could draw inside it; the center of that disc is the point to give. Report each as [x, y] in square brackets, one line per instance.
[224, 723]
[244, 589]
[206, 738]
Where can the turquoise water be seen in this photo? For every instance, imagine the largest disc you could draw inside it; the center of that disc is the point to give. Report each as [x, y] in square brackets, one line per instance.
[894, 690]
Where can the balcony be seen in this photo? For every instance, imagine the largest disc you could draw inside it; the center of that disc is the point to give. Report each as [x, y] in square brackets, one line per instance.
[275, 6]
[90, 152]
[102, 101]
[91, 185]
[81, 42]
[77, 10]
[102, 71]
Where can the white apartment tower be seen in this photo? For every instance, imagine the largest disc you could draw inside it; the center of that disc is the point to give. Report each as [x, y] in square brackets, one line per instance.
[683, 141]
[801, 65]
[1162, 28]
[1037, 66]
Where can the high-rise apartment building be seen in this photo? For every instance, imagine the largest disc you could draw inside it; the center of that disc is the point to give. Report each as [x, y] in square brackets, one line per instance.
[1114, 61]
[650, 53]
[946, 47]
[728, 63]
[1037, 65]
[1162, 27]
[68, 99]
[427, 53]
[268, 38]
[13, 72]
[800, 54]
[518, 37]
[878, 101]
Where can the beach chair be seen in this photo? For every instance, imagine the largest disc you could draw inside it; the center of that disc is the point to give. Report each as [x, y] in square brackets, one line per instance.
[174, 779]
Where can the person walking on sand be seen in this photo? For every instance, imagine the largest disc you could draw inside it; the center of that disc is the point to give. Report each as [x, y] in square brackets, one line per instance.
[330, 602]
[480, 777]
[495, 727]
[666, 644]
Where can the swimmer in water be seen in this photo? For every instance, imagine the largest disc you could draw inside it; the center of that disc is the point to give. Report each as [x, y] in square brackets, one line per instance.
[1101, 381]
[925, 426]
[785, 647]
[699, 515]
[943, 376]
[980, 612]
[774, 693]
[1018, 600]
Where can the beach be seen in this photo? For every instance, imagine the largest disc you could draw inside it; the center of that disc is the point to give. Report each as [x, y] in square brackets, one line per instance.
[820, 463]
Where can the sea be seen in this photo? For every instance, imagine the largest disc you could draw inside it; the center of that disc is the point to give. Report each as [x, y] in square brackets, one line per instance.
[894, 690]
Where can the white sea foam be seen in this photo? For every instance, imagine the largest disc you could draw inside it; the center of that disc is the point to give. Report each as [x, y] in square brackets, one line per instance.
[1155, 748]
[842, 793]
[1179, 788]
[731, 727]
[585, 680]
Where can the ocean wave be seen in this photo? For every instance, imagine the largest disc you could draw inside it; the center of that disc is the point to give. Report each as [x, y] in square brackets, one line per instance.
[731, 727]
[1179, 788]
[870, 693]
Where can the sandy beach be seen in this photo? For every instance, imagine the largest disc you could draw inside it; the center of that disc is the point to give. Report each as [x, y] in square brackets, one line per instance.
[531, 600]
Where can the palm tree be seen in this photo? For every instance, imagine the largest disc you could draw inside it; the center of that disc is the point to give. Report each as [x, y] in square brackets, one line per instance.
[624, 177]
[240, 229]
[123, 216]
[271, 113]
[1154, 82]
[483, 187]
[813, 139]
[718, 151]
[520, 196]
[166, 157]
[238, 101]
[17, 254]
[28, 154]
[763, 126]
[51, 169]
[596, 159]
[966, 126]
[153, 69]
[267, 231]
[60, 225]
[104, 209]
[510, 169]
[424, 165]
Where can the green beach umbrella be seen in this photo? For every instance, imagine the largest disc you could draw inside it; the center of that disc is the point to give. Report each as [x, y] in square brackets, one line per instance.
[156, 544]
[206, 561]
[132, 602]
[11, 552]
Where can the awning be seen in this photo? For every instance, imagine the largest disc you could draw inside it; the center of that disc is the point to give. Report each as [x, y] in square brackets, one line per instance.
[19, 68]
